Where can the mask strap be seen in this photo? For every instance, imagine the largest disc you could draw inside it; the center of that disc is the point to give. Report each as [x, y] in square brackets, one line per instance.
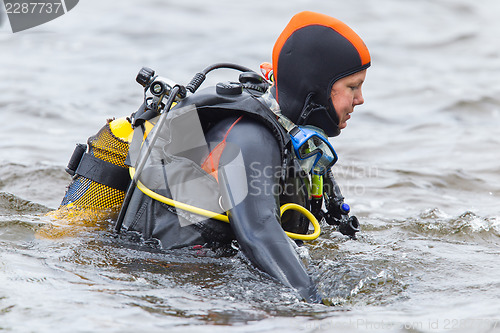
[309, 108]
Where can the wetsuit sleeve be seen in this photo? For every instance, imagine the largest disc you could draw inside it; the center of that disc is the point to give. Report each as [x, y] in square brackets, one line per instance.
[252, 184]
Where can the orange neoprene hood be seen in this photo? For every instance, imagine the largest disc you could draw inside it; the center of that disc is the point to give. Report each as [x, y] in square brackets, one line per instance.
[312, 52]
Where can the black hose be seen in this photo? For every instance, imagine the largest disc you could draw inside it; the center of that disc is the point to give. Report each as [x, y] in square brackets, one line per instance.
[226, 65]
[199, 77]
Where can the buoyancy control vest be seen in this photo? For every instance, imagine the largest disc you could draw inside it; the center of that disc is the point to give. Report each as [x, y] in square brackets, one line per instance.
[236, 99]
[212, 105]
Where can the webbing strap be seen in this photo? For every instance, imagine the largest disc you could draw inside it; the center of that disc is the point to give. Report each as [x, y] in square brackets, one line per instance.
[103, 172]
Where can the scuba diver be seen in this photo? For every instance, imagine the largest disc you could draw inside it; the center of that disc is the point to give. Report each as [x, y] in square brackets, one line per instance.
[238, 152]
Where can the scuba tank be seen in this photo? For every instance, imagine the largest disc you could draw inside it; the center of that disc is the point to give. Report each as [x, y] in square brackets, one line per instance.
[100, 176]
[100, 179]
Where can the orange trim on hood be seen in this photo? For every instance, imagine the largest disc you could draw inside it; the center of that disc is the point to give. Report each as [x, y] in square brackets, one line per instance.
[306, 18]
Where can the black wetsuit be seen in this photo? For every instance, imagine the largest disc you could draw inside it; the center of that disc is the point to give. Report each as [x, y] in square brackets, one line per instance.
[254, 222]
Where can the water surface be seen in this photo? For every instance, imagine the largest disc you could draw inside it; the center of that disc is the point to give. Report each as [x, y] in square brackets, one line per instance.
[419, 165]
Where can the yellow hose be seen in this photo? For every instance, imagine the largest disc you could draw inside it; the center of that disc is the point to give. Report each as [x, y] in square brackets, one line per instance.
[310, 217]
[224, 218]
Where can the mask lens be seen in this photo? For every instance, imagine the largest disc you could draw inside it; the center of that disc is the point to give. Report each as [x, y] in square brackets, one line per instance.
[308, 150]
[327, 159]
[314, 151]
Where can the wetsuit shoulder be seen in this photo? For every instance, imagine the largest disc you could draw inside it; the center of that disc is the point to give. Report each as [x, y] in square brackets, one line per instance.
[252, 188]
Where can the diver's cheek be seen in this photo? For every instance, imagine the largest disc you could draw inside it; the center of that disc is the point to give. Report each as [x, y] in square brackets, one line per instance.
[343, 124]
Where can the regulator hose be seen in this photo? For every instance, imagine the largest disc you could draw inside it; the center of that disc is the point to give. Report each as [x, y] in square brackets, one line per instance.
[199, 77]
[224, 218]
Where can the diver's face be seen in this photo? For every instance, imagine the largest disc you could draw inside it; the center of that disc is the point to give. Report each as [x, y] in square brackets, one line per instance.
[346, 94]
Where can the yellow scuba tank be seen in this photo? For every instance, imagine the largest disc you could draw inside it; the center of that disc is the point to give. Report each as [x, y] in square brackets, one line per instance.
[100, 180]
[101, 177]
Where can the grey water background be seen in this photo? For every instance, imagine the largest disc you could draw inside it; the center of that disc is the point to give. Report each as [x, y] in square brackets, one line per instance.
[419, 165]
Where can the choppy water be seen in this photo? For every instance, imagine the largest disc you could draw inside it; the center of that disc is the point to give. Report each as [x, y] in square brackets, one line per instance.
[419, 164]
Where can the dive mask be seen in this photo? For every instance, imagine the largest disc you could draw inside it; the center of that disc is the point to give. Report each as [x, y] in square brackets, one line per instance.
[313, 150]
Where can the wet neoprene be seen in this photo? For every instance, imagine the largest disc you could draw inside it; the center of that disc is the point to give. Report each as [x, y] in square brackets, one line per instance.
[313, 52]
